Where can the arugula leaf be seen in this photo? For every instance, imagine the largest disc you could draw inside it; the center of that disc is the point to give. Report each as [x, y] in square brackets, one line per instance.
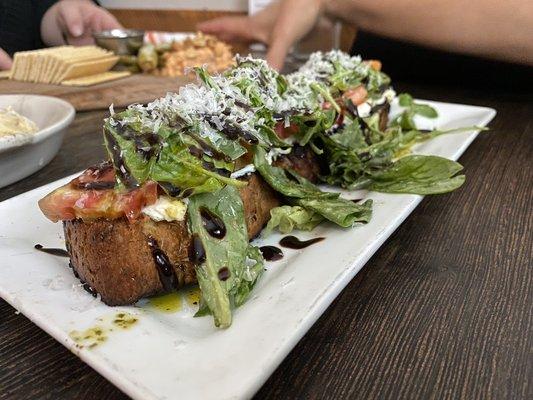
[405, 100]
[350, 136]
[287, 218]
[302, 192]
[343, 212]
[172, 163]
[418, 174]
[231, 257]
[406, 119]
[326, 95]
[311, 125]
[248, 276]
[228, 147]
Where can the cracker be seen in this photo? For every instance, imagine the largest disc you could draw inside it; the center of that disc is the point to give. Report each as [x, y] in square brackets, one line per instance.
[97, 78]
[55, 64]
[88, 68]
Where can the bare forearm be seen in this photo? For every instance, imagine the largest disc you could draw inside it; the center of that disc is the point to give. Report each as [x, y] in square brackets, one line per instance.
[491, 28]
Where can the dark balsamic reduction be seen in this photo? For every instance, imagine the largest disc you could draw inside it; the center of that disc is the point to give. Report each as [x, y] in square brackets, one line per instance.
[233, 132]
[211, 151]
[196, 251]
[146, 143]
[52, 251]
[379, 107]
[242, 105]
[88, 288]
[165, 269]
[120, 166]
[212, 223]
[96, 185]
[170, 189]
[187, 192]
[223, 273]
[271, 253]
[196, 152]
[292, 242]
[71, 266]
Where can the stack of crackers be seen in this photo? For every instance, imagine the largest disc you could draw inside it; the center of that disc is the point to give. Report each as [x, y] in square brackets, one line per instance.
[66, 65]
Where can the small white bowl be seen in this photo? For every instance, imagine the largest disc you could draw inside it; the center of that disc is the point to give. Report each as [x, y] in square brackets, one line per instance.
[22, 155]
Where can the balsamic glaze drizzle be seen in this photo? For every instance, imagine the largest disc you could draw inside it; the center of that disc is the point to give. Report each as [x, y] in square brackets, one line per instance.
[52, 251]
[212, 223]
[165, 269]
[196, 251]
[271, 253]
[224, 273]
[292, 242]
[88, 288]
[95, 185]
[121, 168]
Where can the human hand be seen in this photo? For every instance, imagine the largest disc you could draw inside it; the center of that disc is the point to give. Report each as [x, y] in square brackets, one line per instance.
[5, 60]
[280, 26]
[74, 21]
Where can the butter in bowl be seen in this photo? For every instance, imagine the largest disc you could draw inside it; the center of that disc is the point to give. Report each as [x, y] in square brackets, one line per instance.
[32, 128]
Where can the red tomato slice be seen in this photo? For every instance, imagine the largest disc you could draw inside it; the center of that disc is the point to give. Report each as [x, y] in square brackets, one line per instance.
[74, 200]
[357, 95]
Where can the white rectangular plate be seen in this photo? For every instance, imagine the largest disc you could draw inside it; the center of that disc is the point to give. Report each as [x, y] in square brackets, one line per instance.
[169, 354]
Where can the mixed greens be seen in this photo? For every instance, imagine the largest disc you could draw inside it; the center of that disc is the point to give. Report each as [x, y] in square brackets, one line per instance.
[201, 142]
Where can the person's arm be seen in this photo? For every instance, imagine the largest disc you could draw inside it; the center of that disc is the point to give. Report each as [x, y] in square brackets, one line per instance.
[490, 28]
[73, 21]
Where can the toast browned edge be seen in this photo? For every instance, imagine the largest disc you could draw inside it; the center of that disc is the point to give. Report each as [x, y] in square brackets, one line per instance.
[114, 258]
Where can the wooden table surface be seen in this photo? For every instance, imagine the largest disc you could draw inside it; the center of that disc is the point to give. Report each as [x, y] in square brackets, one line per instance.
[442, 311]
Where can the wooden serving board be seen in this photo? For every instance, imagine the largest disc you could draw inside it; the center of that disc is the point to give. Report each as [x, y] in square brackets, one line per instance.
[137, 88]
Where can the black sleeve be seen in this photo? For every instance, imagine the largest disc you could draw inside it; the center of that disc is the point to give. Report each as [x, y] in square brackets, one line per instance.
[20, 24]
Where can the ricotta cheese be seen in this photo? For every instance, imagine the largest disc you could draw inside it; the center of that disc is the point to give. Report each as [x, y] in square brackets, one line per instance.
[166, 209]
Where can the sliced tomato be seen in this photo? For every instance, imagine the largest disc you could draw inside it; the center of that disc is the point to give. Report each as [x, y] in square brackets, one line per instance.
[132, 203]
[75, 200]
[374, 64]
[357, 95]
[100, 176]
[59, 205]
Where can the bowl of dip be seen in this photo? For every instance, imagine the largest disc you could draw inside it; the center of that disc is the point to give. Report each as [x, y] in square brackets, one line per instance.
[32, 128]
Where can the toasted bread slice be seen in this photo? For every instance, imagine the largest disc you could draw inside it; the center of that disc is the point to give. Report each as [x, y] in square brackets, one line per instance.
[114, 257]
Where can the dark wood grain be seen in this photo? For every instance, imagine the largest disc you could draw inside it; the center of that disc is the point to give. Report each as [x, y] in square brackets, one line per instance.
[442, 310]
[138, 88]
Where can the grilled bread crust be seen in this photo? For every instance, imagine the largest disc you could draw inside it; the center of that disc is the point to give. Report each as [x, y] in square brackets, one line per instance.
[115, 259]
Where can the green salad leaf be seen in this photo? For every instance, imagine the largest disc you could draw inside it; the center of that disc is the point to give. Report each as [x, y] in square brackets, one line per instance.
[342, 212]
[232, 265]
[406, 119]
[418, 174]
[288, 218]
[142, 159]
[278, 178]
[305, 194]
